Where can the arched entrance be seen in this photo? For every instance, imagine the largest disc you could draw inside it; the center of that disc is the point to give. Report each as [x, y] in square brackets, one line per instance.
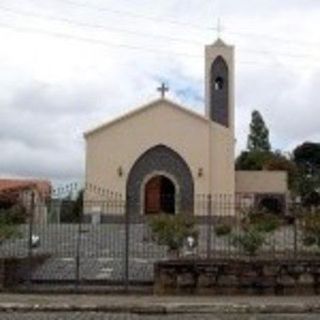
[159, 195]
[160, 160]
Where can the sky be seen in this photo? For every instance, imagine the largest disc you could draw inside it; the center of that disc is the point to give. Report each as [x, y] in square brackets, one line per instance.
[69, 65]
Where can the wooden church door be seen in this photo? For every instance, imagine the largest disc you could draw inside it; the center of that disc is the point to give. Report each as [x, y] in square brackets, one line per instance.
[153, 196]
[159, 196]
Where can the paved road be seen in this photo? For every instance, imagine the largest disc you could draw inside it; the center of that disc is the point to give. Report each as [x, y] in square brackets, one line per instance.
[106, 316]
[99, 307]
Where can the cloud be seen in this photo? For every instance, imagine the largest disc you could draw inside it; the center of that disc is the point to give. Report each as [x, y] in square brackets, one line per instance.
[53, 88]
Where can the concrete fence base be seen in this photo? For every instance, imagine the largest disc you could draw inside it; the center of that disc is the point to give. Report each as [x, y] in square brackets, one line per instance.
[238, 276]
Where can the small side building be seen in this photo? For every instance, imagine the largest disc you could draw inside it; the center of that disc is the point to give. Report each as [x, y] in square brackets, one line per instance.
[18, 192]
[268, 189]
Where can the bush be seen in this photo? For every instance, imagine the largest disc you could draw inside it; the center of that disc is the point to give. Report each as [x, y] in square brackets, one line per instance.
[249, 241]
[172, 231]
[9, 219]
[255, 225]
[265, 222]
[17, 214]
[222, 230]
[311, 229]
[7, 231]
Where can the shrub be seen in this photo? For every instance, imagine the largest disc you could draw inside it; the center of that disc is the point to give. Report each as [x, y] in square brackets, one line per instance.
[222, 230]
[249, 241]
[254, 227]
[266, 222]
[172, 231]
[17, 214]
[7, 231]
[9, 219]
[261, 220]
[311, 229]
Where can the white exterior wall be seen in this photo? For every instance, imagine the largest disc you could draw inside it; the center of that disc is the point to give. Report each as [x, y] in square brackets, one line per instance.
[222, 138]
[123, 142]
[261, 182]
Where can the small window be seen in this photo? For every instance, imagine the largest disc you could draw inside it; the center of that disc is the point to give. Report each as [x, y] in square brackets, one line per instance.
[218, 84]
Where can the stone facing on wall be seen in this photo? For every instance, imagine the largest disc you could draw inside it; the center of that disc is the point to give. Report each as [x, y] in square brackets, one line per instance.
[13, 270]
[242, 276]
[160, 159]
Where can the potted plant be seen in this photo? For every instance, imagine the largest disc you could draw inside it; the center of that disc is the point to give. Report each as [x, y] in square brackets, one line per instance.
[172, 231]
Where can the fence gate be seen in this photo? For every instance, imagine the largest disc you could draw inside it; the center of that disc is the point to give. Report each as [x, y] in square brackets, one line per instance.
[96, 244]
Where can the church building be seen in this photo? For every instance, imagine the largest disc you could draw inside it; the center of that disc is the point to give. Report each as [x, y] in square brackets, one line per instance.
[162, 156]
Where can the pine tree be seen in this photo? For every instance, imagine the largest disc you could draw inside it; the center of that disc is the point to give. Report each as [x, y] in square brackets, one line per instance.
[258, 139]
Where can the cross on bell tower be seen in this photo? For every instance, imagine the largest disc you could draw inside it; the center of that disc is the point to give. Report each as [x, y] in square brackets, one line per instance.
[163, 89]
[219, 28]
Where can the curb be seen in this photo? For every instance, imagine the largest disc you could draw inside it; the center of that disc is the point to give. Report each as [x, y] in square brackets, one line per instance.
[167, 308]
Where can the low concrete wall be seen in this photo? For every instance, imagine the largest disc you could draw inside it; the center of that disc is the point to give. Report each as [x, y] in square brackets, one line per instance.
[237, 276]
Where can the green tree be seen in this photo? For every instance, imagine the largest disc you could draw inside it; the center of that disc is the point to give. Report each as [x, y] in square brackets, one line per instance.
[258, 139]
[307, 159]
[71, 210]
[307, 155]
[252, 160]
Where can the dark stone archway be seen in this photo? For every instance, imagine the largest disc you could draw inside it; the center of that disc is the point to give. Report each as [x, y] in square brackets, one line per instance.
[160, 160]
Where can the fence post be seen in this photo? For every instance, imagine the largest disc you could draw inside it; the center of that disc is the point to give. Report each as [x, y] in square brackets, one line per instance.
[295, 239]
[127, 246]
[209, 231]
[78, 248]
[30, 244]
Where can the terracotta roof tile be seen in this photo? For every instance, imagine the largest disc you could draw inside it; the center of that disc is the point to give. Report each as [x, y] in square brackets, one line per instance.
[14, 185]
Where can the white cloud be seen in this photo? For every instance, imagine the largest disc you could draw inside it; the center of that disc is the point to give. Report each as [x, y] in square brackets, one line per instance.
[52, 88]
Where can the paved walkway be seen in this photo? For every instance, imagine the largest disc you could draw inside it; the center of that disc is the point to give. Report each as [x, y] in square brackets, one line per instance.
[139, 304]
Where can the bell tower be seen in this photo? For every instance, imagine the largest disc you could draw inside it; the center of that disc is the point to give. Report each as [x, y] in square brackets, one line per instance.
[219, 102]
[219, 83]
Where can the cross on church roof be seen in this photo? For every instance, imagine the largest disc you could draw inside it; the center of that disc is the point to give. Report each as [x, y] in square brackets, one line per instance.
[219, 28]
[163, 89]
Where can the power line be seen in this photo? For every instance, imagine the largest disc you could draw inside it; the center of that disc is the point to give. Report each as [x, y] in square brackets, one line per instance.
[108, 44]
[137, 15]
[90, 25]
[90, 40]
[181, 23]
[273, 38]
[143, 34]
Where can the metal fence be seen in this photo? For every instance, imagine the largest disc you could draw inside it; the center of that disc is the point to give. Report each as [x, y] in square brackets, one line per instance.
[79, 245]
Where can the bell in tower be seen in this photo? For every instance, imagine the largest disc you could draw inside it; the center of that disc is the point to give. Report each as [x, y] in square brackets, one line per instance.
[219, 83]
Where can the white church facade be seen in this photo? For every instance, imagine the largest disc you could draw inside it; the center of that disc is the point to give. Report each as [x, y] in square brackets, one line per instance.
[160, 156]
